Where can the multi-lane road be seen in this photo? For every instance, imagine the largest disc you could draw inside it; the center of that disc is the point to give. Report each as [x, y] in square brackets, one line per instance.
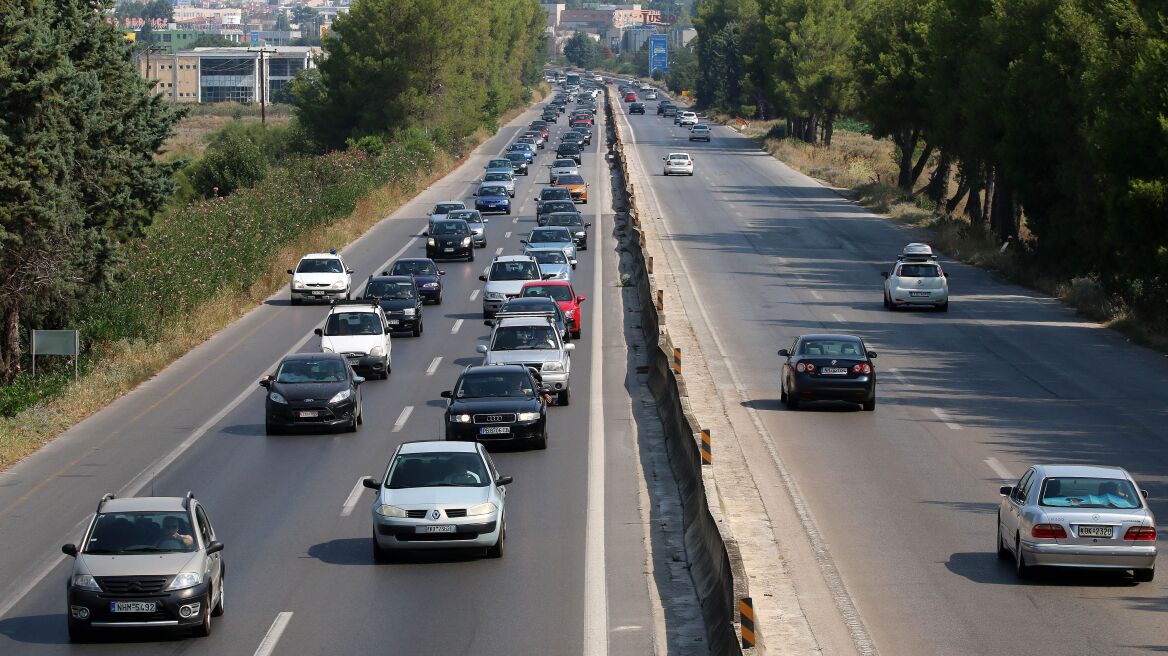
[905, 497]
[290, 509]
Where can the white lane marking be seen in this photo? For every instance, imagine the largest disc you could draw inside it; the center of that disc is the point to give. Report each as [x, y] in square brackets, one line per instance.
[1000, 469]
[433, 366]
[738, 214]
[900, 378]
[817, 295]
[515, 220]
[838, 317]
[595, 586]
[507, 235]
[353, 498]
[457, 325]
[408, 245]
[474, 294]
[945, 419]
[139, 482]
[268, 644]
[403, 418]
[498, 251]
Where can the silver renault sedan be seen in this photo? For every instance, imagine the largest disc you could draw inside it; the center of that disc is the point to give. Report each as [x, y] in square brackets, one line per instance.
[1077, 516]
[439, 495]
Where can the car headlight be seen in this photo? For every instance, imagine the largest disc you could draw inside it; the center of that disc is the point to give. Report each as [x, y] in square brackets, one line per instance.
[377, 350]
[276, 397]
[386, 510]
[460, 419]
[466, 241]
[570, 313]
[340, 284]
[431, 242]
[481, 509]
[86, 582]
[581, 233]
[297, 284]
[185, 580]
[496, 296]
[430, 285]
[409, 312]
[528, 416]
[341, 396]
[553, 366]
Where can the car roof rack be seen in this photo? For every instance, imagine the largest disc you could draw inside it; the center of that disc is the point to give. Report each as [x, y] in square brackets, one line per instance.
[107, 497]
[355, 301]
[917, 252]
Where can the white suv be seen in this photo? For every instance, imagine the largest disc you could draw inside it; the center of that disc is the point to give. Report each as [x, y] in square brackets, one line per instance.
[320, 276]
[680, 163]
[505, 280]
[359, 331]
[916, 279]
[532, 341]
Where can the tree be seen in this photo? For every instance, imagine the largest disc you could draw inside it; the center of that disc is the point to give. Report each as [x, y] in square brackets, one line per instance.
[582, 51]
[78, 131]
[212, 41]
[283, 24]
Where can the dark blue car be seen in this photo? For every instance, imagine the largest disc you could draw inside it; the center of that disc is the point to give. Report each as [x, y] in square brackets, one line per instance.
[522, 149]
[425, 273]
[492, 198]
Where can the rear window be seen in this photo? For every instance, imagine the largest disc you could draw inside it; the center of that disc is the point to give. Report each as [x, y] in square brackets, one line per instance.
[832, 347]
[1066, 492]
[919, 271]
[554, 292]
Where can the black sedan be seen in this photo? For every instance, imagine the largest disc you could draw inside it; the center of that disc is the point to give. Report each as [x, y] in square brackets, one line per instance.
[637, 108]
[399, 299]
[518, 162]
[549, 207]
[828, 367]
[427, 276]
[492, 403]
[450, 239]
[312, 390]
[568, 150]
[574, 222]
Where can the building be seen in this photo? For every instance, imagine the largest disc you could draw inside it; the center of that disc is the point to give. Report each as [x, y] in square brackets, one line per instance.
[209, 75]
[553, 11]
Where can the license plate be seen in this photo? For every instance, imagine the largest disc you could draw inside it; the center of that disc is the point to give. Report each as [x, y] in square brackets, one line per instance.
[132, 607]
[309, 413]
[494, 430]
[316, 293]
[392, 322]
[449, 250]
[445, 528]
[1096, 531]
[918, 293]
[833, 371]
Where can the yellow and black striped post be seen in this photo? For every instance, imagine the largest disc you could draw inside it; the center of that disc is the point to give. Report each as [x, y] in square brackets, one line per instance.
[746, 617]
[707, 453]
[677, 360]
[660, 299]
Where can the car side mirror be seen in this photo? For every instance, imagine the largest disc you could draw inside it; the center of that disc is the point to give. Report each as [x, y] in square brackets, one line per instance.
[587, 225]
[569, 347]
[786, 353]
[446, 394]
[483, 278]
[265, 383]
[371, 483]
[872, 355]
[1144, 493]
[548, 276]
[503, 480]
[357, 380]
[488, 322]
[1006, 490]
[429, 213]
[522, 241]
[425, 233]
[664, 159]
[318, 332]
[481, 348]
[535, 199]
[69, 549]
[581, 299]
[486, 220]
[349, 271]
[441, 272]
[215, 547]
[289, 271]
[946, 274]
[573, 263]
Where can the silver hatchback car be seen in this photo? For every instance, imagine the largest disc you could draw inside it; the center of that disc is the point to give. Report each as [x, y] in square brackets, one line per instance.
[1077, 516]
[439, 495]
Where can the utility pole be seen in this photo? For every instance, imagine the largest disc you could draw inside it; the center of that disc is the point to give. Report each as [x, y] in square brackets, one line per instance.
[263, 84]
[149, 49]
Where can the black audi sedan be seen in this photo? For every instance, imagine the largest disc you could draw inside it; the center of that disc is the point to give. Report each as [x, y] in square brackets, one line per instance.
[828, 367]
[312, 390]
[399, 299]
[496, 403]
[425, 273]
[450, 239]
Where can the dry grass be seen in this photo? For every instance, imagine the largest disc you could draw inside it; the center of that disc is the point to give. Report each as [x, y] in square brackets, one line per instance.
[128, 363]
[191, 133]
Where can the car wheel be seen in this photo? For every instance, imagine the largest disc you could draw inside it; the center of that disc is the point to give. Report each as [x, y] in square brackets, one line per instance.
[541, 443]
[563, 398]
[870, 404]
[295, 301]
[944, 307]
[1021, 569]
[271, 429]
[496, 551]
[418, 328]
[351, 427]
[792, 402]
[782, 393]
[1003, 551]
[576, 334]
[220, 607]
[691, 174]
[438, 301]
[361, 414]
[381, 555]
[203, 629]
[79, 631]
[886, 303]
[470, 258]
[1144, 575]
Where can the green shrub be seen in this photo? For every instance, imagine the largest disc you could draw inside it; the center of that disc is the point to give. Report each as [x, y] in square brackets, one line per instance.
[232, 162]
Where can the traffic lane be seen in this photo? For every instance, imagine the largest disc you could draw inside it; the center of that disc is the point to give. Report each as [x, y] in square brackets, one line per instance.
[826, 321]
[44, 497]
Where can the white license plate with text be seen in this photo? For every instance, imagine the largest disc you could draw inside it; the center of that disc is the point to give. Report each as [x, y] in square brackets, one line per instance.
[494, 430]
[1096, 531]
[443, 528]
[834, 371]
[132, 607]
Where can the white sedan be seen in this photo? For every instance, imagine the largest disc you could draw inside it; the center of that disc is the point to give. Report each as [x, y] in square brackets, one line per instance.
[679, 163]
[563, 167]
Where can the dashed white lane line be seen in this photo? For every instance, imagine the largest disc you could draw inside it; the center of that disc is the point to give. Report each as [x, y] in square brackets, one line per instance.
[817, 295]
[515, 220]
[507, 235]
[474, 294]
[1000, 469]
[900, 377]
[945, 419]
[455, 327]
[403, 418]
[838, 317]
[498, 251]
[352, 499]
[433, 366]
[268, 644]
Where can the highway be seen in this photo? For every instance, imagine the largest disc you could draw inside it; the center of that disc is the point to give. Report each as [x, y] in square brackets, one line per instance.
[300, 575]
[905, 497]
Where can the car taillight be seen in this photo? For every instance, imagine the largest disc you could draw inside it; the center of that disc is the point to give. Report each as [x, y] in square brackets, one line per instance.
[1048, 531]
[862, 368]
[1140, 533]
[805, 367]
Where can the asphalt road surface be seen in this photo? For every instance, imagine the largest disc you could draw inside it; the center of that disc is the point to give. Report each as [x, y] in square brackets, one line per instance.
[905, 497]
[300, 576]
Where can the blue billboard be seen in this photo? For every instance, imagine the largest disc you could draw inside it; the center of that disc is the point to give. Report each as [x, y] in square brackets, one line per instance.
[658, 53]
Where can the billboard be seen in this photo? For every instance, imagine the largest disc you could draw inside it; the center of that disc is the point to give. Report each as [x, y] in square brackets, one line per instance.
[658, 53]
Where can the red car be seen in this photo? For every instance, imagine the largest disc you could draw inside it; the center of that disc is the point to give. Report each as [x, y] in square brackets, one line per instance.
[630, 97]
[562, 293]
[608, 80]
[541, 129]
[584, 118]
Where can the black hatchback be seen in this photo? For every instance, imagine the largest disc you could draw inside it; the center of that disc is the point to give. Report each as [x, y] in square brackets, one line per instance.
[450, 239]
[568, 150]
[637, 108]
[399, 299]
[491, 403]
[312, 390]
[828, 367]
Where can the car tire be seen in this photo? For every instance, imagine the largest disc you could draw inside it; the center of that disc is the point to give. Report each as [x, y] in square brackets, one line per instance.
[470, 258]
[792, 402]
[270, 429]
[79, 632]
[220, 607]
[782, 394]
[381, 555]
[886, 303]
[361, 414]
[576, 334]
[1003, 550]
[563, 397]
[351, 427]
[418, 328]
[1021, 569]
[438, 301]
[691, 174]
[496, 551]
[541, 443]
[1144, 575]
[294, 300]
[944, 307]
[870, 404]
[203, 629]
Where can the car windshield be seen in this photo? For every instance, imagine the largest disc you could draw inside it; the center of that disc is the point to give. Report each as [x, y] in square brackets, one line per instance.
[554, 292]
[398, 290]
[492, 191]
[499, 163]
[569, 147]
[514, 157]
[919, 271]
[550, 257]
[470, 216]
[498, 177]
[514, 271]
[446, 208]
[565, 163]
[477, 386]
[414, 268]
[569, 179]
[437, 470]
[450, 228]
[524, 338]
[352, 323]
[846, 348]
[324, 370]
[140, 532]
[565, 219]
[548, 236]
[555, 193]
[560, 205]
[1067, 492]
[320, 265]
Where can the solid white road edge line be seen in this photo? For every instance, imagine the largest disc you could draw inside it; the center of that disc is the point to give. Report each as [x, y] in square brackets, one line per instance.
[433, 366]
[403, 418]
[353, 498]
[946, 420]
[1000, 469]
[268, 644]
[595, 585]
[456, 326]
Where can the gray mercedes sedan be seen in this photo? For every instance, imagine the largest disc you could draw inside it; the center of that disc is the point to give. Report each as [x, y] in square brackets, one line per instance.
[1078, 516]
